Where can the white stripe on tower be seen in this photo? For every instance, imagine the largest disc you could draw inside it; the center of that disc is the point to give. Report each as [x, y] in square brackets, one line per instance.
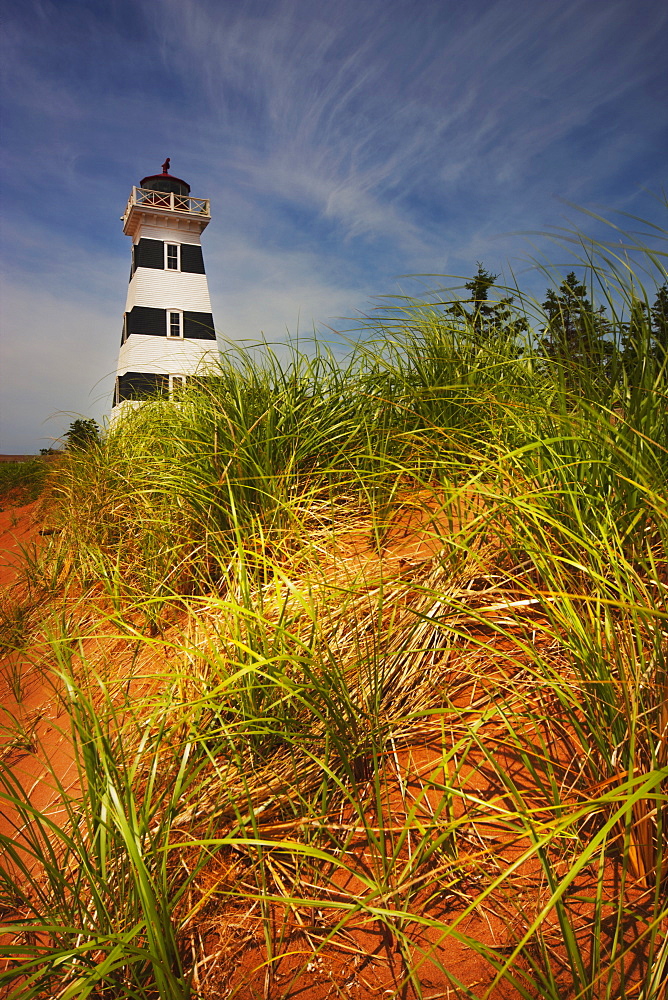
[168, 332]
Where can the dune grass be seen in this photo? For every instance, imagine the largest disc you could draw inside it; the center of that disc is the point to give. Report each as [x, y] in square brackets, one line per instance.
[279, 715]
[23, 481]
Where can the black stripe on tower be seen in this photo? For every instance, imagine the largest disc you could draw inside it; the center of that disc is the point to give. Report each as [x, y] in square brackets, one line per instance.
[139, 385]
[192, 259]
[148, 253]
[146, 320]
[151, 253]
[153, 323]
[198, 326]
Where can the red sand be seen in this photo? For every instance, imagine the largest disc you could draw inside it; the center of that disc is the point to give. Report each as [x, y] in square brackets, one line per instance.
[362, 959]
[33, 725]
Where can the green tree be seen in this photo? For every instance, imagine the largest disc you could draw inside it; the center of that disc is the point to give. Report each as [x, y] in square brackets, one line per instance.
[486, 318]
[576, 333]
[645, 335]
[659, 314]
[83, 433]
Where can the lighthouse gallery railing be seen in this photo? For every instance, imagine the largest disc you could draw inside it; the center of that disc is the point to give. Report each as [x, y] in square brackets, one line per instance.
[167, 199]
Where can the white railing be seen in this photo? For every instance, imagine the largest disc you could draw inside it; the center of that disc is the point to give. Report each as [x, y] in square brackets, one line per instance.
[167, 199]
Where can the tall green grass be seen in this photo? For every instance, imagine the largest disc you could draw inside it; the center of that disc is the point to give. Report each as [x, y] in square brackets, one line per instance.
[279, 712]
[22, 481]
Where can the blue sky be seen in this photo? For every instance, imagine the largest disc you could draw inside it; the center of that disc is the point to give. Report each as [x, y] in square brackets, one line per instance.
[344, 145]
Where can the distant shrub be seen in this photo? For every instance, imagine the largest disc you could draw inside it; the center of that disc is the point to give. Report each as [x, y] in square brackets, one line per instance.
[83, 433]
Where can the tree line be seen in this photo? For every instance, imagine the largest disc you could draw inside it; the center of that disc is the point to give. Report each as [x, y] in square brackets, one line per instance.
[575, 331]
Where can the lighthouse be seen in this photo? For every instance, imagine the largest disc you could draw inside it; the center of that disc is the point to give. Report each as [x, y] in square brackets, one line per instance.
[168, 332]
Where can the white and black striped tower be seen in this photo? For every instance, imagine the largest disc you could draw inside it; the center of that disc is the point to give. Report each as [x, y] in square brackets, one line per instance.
[168, 332]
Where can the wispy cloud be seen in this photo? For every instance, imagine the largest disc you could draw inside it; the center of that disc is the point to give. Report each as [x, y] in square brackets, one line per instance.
[57, 359]
[354, 109]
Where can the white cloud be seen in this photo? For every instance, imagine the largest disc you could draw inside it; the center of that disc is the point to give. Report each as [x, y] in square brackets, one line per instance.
[263, 293]
[58, 359]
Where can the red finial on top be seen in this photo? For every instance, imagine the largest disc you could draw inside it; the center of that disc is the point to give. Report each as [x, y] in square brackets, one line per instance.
[165, 166]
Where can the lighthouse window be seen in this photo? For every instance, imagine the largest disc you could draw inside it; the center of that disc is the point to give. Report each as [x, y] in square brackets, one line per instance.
[176, 382]
[172, 262]
[174, 324]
